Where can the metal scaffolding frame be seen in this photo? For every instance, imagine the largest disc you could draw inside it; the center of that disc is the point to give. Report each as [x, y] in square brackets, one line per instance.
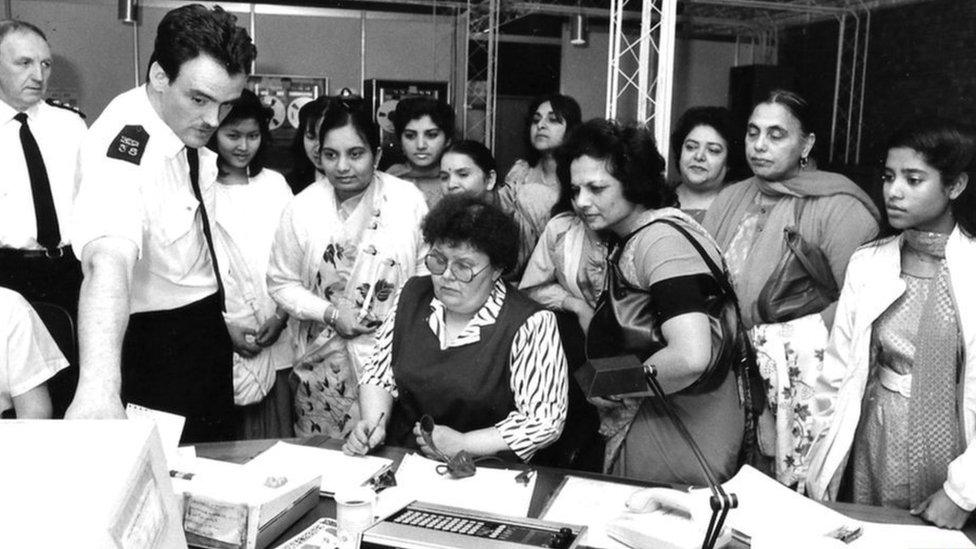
[632, 92]
[629, 64]
[482, 21]
[629, 61]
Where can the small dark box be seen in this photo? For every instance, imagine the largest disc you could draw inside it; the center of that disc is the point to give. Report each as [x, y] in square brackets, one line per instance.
[617, 375]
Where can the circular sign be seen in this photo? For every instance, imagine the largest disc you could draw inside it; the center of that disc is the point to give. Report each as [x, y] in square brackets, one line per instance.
[293, 108]
[277, 111]
[384, 114]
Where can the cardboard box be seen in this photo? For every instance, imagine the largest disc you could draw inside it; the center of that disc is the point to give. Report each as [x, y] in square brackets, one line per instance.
[226, 505]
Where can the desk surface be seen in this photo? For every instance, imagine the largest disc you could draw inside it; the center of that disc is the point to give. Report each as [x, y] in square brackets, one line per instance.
[546, 483]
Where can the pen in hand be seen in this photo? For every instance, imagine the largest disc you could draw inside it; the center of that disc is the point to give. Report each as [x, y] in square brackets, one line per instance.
[369, 433]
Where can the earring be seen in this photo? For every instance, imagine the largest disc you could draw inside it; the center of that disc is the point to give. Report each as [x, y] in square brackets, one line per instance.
[804, 160]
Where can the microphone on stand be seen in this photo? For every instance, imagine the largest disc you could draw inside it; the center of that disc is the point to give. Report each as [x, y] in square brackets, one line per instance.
[623, 375]
[720, 502]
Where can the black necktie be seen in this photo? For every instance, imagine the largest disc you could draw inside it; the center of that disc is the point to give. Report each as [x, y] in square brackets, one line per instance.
[48, 231]
[194, 161]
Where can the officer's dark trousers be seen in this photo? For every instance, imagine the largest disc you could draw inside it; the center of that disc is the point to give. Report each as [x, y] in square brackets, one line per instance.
[180, 361]
[55, 280]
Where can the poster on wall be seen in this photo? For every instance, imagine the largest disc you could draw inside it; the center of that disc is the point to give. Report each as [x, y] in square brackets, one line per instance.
[285, 95]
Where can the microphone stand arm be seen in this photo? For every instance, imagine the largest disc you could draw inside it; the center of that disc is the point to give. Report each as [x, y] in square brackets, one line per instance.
[720, 502]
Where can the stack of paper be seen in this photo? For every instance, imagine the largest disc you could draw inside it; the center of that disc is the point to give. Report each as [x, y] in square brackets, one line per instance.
[772, 514]
[335, 468]
[594, 503]
[489, 490]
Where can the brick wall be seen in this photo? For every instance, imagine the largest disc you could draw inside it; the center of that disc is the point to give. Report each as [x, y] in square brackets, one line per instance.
[922, 60]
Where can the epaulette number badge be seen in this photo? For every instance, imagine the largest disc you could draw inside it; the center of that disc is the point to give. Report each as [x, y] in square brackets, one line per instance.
[129, 144]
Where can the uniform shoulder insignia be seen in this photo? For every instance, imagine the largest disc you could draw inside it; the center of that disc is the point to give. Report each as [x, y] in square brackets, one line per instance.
[129, 144]
[65, 106]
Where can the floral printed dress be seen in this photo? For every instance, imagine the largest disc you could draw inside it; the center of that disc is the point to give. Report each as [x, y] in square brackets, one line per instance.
[355, 253]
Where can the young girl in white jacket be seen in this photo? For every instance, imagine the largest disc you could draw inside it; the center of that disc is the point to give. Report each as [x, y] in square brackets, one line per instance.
[902, 355]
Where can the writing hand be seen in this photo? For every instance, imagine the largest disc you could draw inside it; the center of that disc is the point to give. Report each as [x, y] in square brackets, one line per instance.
[365, 436]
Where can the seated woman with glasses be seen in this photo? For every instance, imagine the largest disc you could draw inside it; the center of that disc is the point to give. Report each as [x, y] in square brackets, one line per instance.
[463, 347]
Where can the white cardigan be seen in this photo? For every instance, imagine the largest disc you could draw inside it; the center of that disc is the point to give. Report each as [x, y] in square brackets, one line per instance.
[873, 283]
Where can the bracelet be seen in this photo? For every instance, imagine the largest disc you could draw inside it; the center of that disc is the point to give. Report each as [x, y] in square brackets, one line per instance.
[334, 315]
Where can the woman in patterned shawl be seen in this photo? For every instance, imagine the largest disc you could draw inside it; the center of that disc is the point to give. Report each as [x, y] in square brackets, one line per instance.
[344, 247]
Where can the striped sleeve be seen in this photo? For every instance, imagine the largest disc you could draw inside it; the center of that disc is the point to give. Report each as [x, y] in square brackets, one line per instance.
[539, 378]
[378, 370]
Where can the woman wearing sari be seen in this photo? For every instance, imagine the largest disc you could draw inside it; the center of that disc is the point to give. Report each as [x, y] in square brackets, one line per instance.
[617, 188]
[344, 247]
[565, 274]
[748, 220]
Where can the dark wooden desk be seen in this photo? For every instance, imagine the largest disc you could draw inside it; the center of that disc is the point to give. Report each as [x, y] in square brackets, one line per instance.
[547, 481]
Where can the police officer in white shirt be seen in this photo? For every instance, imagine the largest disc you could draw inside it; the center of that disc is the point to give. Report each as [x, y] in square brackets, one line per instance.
[39, 144]
[143, 224]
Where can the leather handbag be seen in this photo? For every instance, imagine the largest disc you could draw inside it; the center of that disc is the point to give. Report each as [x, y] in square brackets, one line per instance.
[626, 320]
[802, 283]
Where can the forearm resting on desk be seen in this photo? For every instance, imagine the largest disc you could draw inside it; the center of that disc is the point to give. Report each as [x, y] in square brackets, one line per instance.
[103, 314]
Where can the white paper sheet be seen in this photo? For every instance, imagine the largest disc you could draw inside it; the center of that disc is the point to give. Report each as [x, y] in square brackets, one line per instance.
[336, 468]
[767, 508]
[592, 503]
[170, 427]
[905, 536]
[489, 490]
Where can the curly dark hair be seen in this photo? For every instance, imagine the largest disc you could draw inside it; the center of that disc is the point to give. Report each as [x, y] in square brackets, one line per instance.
[462, 218]
[413, 108]
[949, 147]
[191, 30]
[631, 156]
[720, 120]
[247, 107]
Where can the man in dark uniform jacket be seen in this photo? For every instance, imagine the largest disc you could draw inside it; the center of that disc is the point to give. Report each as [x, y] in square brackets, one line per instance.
[144, 227]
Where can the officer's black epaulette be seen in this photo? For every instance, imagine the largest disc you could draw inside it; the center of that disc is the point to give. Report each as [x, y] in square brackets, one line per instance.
[65, 106]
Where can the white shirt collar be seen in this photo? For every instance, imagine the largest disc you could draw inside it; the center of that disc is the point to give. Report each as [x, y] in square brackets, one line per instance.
[7, 112]
[471, 333]
[166, 140]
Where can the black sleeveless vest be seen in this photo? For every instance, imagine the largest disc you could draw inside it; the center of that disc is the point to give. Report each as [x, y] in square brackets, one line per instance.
[465, 388]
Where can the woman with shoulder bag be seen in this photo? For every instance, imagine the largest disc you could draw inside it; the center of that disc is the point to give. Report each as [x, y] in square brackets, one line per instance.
[667, 261]
[788, 233]
[250, 199]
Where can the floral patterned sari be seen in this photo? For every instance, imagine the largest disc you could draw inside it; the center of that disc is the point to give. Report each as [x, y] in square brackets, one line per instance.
[373, 249]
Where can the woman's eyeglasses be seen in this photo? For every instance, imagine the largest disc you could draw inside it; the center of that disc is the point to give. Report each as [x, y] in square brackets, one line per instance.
[438, 264]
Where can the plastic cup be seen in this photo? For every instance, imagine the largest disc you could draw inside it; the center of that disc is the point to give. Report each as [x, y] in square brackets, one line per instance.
[354, 513]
